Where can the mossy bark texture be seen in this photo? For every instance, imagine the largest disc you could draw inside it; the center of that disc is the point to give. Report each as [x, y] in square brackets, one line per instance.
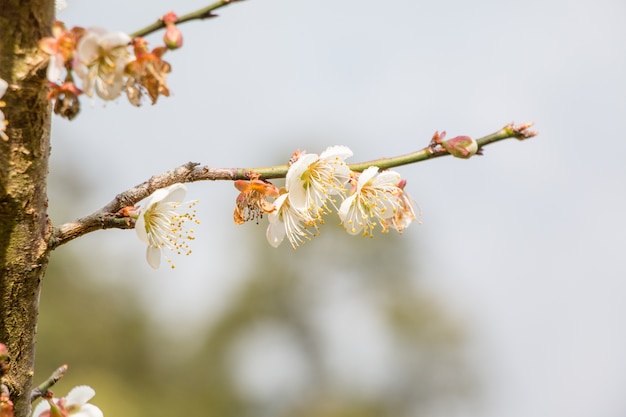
[24, 226]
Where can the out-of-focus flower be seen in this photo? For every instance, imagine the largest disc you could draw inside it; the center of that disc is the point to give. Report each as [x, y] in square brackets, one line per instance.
[104, 56]
[3, 123]
[173, 38]
[66, 99]
[288, 221]
[147, 72]
[60, 5]
[161, 226]
[60, 46]
[252, 201]
[377, 199]
[6, 406]
[313, 179]
[75, 404]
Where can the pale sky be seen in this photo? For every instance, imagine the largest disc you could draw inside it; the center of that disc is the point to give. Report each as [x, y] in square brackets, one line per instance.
[526, 242]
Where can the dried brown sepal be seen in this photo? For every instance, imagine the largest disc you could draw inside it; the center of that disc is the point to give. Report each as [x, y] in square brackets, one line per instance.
[147, 73]
[252, 201]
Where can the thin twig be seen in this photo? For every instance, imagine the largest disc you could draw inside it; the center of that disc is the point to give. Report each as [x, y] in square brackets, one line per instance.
[43, 388]
[108, 217]
[204, 13]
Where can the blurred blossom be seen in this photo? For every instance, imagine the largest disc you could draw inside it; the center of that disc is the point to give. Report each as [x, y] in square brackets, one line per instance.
[3, 123]
[103, 56]
[75, 404]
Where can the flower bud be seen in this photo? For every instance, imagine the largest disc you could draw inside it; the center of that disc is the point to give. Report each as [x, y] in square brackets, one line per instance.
[461, 146]
[173, 37]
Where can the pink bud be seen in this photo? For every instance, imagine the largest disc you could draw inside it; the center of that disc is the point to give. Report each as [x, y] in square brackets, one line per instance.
[461, 146]
[173, 38]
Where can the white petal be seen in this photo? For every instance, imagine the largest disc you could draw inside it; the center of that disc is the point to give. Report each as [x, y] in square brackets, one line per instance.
[41, 407]
[54, 70]
[345, 207]
[294, 183]
[156, 197]
[140, 228]
[176, 192]
[367, 175]
[275, 234]
[80, 395]
[3, 87]
[87, 48]
[153, 256]
[114, 39]
[88, 410]
[388, 177]
[341, 152]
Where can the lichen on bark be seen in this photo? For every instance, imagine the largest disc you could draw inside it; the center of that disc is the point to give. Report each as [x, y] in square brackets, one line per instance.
[24, 226]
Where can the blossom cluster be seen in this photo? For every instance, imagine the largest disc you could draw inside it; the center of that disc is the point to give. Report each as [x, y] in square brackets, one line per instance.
[106, 65]
[315, 185]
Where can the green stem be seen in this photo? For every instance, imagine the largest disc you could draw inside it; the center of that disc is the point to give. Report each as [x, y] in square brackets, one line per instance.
[509, 131]
[197, 15]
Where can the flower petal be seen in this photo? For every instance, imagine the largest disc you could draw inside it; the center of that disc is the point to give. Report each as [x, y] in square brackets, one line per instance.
[175, 192]
[88, 410]
[140, 228]
[3, 87]
[42, 407]
[338, 151]
[153, 256]
[80, 395]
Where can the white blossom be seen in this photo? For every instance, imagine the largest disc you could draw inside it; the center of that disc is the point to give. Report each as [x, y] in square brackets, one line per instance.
[104, 56]
[161, 226]
[313, 179]
[288, 221]
[75, 404]
[377, 200]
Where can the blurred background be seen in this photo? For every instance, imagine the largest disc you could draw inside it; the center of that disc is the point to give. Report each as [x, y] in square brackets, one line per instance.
[508, 299]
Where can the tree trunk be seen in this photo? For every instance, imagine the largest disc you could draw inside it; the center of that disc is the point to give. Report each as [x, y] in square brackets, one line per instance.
[24, 226]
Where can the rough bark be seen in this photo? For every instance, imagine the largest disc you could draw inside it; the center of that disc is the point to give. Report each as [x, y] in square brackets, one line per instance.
[24, 227]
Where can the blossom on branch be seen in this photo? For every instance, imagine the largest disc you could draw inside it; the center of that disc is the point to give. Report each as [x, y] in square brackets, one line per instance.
[377, 198]
[3, 123]
[312, 179]
[147, 72]
[103, 57]
[252, 201]
[173, 38]
[75, 404]
[61, 47]
[66, 99]
[161, 226]
[289, 221]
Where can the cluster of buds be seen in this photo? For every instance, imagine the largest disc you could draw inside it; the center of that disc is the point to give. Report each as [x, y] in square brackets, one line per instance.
[316, 185]
[107, 65]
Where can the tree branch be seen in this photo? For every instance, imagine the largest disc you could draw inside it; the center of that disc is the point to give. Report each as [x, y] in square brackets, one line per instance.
[200, 14]
[109, 217]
